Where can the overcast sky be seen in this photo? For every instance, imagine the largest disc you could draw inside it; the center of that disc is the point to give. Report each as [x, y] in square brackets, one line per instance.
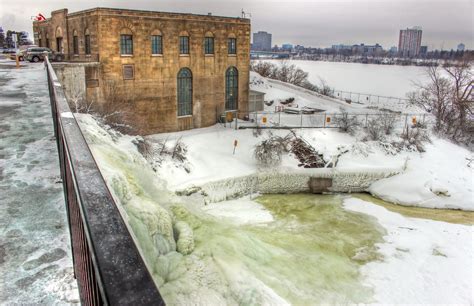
[316, 23]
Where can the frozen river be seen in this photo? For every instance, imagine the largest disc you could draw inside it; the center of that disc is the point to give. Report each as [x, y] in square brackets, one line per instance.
[383, 80]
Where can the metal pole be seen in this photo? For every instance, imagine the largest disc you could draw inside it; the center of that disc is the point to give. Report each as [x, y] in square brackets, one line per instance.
[324, 123]
[236, 119]
[301, 123]
[366, 120]
[279, 118]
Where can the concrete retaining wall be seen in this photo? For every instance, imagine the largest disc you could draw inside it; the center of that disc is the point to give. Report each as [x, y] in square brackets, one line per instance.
[309, 180]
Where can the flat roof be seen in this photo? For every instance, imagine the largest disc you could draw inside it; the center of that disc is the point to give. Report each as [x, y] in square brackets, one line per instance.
[145, 12]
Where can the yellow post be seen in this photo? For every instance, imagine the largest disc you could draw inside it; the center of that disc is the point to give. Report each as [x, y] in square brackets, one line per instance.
[17, 58]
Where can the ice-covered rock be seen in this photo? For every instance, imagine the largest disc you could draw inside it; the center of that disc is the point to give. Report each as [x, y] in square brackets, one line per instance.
[184, 237]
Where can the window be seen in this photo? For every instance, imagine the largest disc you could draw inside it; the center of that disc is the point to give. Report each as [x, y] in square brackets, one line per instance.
[87, 44]
[209, 45]
[126, 44]
[184, 44]
[75, 44]
[156, 44]
[59, 44]
[231, 88]
[128, 72]
[232, 46]
[185, 92]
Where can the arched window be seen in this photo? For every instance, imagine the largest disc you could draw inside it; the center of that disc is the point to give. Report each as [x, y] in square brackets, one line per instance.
[75, 43]
[59, 40]
[126, 42]
[231, 88]
[209, 43]
[232, 44]
[185, 92]
[183, 42]
[87, 42]
[156, 42]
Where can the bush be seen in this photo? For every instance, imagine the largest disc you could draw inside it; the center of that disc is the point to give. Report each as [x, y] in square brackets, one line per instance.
[374, 130]
[414, 138]
[268, 152]
[346, 122]
[388, 123]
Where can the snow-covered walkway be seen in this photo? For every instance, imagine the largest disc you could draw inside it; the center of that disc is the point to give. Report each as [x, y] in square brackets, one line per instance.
[35, 259]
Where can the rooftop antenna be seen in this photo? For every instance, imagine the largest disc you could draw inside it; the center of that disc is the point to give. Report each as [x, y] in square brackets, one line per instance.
[246, 15]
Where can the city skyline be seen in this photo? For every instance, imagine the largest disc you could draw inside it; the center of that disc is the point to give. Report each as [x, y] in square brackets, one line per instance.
[369, 21]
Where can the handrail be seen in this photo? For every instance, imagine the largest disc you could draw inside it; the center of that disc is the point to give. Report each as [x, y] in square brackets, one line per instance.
[107, 264]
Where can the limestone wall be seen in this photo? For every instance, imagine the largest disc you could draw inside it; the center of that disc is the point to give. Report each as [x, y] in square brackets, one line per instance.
[148, 100]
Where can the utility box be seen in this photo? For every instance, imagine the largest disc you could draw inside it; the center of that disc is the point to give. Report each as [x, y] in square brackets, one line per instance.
[256, 100]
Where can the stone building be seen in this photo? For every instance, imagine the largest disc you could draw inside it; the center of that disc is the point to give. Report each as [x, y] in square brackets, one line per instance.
[161, 71]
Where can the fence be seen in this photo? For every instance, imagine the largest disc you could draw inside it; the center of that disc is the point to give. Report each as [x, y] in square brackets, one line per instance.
[305, 119]
[107, 264]
[368, 99]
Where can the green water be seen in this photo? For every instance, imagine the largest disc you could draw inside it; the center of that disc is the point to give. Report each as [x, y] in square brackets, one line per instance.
[445, 215]
[310, 253]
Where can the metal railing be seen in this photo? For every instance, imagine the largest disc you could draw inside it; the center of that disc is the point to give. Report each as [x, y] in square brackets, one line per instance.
[107, 263]
[307, 119]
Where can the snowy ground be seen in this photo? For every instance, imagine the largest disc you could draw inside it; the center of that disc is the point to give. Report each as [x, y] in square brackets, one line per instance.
[428, 179]
[424, 261]
[35, 259]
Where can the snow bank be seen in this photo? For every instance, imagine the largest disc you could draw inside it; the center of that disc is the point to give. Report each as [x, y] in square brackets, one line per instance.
[424, 261]
[438, 178]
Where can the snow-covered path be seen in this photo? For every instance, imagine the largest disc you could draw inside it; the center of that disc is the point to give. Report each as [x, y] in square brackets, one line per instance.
[35, 259]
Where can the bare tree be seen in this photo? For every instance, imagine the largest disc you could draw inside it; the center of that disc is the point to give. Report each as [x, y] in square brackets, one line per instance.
[284, 72]
[324, 88]
[265, 69]
[117, 106]
[449, 97]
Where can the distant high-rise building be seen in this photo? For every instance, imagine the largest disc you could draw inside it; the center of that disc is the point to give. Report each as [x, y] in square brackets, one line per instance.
[423, 49]
[262, 41]
[393, 49]
[2, 37]
[409, 42]
[287, 47]
[461, 47]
